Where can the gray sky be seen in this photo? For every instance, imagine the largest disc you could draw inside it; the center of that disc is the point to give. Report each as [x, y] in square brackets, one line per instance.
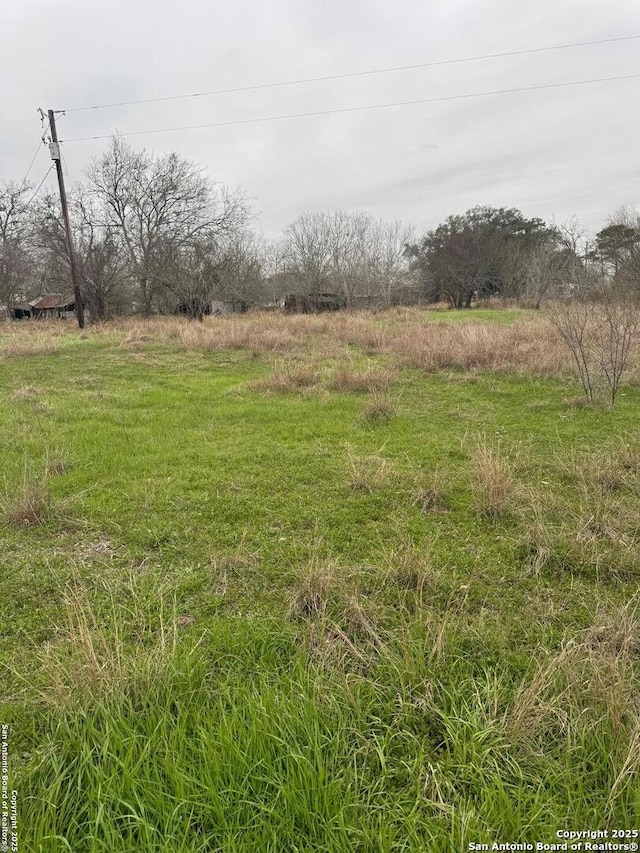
[551, 152]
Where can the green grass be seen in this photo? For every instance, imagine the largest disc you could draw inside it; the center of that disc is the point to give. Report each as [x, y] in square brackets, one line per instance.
[231, 619]
[502, 316]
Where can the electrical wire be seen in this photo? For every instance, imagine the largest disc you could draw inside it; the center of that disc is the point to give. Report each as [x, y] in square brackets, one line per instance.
[353, 74]
[35, 156]
[39, 185]
[359, 109]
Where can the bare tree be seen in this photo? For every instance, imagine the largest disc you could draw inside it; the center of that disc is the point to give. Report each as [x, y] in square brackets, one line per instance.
[158, 205]
[599, 328]
[351, 270]
[308, 252]
[103, 263]
[556, 271]
[279, 278]
[189, 275]
[540, 275]
[100, 257]
[16, 261]
[329, 252]
[394, 275]
[227, 269]
[348, 253]
[241, 277]
[573, 235]
[576, 321]
[620, 322]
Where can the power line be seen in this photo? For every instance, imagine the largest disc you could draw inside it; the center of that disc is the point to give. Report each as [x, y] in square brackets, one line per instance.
[26, 177]
[353, 74]
[39, 185]
[360, 108]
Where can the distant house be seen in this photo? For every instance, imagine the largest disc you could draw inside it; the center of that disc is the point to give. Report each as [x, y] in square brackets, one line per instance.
[195, 309]
[230, 306]
[55, 306]
[314, 303]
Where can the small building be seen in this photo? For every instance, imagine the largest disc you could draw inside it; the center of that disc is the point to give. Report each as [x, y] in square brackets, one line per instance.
[195, 308]
[230, 306]
[56, 306]
[314, 303]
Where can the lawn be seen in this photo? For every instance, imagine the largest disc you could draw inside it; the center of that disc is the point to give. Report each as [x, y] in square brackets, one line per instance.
[315, 584]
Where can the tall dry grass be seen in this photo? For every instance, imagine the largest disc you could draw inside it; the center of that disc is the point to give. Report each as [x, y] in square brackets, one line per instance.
[493, 485]
[530, 345]
[592, 674]
[288, 377]
[28, 503]
[91, 656]
[24, 338]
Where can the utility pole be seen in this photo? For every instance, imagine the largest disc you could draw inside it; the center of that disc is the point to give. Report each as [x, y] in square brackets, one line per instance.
[54, 148]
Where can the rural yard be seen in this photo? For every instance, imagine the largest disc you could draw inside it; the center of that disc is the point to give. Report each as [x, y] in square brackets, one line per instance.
[319, 427]
[359, 581]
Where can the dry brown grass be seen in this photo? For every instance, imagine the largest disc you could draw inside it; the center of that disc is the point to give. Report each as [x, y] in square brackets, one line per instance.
[606, 470]
[338, 625]
[288, 377]
[539, 698]
[411, 337]
[28, 504]
[599, 537]
[410, 568]
[352, 380]
[26, 392]
[628, 767]
[91, 657]
[315, 587]
[591, 674]
[492, 484]
[235, 571]
[539, 538]
[603, 529]
[379, 408]
[368, 473]
[56, 463]
[530, 345]
[259, 333]
[30, 501]
[359, 622]
[430, 491]
[587, 524]
[24, 338]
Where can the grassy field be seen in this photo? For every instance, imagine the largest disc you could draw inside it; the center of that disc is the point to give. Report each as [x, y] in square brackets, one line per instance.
[353, 583]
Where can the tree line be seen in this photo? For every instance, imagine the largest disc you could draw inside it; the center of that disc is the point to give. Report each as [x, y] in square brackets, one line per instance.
[154, 234]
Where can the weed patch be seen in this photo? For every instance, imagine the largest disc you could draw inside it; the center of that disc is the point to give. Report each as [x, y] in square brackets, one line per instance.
[288, 379]
[29, 504]
[378, 409]
[493, 483]
[368, 381]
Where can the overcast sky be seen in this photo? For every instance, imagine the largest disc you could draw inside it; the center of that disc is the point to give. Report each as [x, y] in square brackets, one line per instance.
[552, 152]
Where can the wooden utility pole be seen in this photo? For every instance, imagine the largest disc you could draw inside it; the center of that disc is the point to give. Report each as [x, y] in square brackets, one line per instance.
[54, 148]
